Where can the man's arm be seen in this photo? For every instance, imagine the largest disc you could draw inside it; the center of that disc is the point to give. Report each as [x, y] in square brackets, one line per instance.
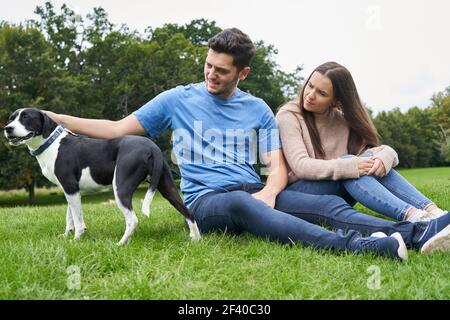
[277, 179]
[98, 128]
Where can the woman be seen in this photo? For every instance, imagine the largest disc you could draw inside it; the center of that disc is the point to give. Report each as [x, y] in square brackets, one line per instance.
[332, 147]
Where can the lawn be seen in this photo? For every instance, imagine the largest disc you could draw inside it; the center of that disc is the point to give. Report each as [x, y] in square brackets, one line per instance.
[162, 263]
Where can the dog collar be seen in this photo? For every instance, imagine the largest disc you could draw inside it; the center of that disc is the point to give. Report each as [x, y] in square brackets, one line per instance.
[55, 134]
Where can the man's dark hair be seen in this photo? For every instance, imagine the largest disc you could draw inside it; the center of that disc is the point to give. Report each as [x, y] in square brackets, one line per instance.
[236, 43]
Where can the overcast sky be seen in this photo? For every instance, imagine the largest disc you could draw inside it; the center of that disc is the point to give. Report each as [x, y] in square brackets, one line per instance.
[398, 51]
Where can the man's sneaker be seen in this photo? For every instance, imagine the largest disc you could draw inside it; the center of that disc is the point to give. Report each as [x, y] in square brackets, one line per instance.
[380, 244]
[436, 236]
[420, 215]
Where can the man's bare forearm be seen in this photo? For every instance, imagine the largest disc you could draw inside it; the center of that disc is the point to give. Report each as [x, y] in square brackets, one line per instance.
[278, 174]
[95, 128]
[277, 179]
[99, 128]
[276, 182]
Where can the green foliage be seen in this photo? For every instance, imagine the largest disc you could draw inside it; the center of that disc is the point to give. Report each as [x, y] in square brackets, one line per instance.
[441, 116]
[62, 31]
[267, 81]
[421, 137]
[26, 74]
[198, 31]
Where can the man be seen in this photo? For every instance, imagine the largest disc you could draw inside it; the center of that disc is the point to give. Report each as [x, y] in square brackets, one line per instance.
[216, 128]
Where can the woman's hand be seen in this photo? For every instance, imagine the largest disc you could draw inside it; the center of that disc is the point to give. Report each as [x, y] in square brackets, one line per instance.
[378, 169]
[365, 165]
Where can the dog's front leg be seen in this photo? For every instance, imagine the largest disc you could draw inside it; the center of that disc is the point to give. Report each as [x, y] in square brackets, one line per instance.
[74, 201]
[69, 222]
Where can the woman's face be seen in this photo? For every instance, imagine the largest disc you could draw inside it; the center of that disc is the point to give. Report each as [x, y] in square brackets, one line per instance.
[318, 95]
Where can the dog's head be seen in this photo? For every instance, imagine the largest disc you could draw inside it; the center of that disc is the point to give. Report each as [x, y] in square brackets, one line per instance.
[25, 124]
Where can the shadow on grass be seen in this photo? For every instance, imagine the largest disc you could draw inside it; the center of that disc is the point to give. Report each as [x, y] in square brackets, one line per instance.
[55, 198]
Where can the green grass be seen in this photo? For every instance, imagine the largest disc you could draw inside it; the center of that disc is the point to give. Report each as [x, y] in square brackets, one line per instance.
[161, 262]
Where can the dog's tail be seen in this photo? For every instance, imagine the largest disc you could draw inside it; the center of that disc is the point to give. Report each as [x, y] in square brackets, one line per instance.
[155, 175]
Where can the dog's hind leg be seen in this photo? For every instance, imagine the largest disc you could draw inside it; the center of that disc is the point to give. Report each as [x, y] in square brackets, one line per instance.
[124, 185]
[147, 201]
[156, 164]
[168, 190]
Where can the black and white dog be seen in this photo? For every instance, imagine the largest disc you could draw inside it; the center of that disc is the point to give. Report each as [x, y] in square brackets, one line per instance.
[77, 163]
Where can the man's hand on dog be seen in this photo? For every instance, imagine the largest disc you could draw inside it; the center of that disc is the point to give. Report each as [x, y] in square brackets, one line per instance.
[54, 116]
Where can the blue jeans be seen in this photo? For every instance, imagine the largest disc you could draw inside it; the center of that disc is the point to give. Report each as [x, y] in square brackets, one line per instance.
[295, 218]
[391, 195]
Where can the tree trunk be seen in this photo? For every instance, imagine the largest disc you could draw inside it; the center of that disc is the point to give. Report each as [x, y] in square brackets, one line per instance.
[30, 189]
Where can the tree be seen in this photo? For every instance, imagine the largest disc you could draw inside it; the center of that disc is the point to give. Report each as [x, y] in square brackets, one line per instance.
[393, 129]
[441, 115]
[424, 135]
[25, 75]
[63, 33]
[414, 135]
[267, 81]
[198, 31]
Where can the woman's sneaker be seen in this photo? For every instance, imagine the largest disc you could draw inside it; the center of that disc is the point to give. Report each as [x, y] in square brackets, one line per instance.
[420, 216]
[380, 244]
[436, 236]
[436, 213]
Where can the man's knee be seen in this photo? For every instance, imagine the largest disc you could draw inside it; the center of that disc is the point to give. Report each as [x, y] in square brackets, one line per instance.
[238, 200]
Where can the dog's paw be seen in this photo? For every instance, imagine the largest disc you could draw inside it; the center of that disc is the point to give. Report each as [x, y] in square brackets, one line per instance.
[195, 237]
[77, 236]
[66, 234]
[121, 243]
[194, 232]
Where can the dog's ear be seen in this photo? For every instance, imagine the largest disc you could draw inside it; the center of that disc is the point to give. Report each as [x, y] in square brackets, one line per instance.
[48, 125]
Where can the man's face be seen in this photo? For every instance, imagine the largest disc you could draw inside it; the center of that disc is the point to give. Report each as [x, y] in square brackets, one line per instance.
[221, 76]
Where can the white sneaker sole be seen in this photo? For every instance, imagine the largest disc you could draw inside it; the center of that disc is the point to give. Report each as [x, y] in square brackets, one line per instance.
[440, 242]
[378, 234]
[402, 251]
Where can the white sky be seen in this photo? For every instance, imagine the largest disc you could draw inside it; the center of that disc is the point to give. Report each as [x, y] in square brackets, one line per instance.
[398, 51]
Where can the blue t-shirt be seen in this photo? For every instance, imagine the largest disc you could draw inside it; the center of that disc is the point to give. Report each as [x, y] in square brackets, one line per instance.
[215, 140]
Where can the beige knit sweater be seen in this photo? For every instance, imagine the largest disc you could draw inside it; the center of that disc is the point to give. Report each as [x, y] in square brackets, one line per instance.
[334, 132]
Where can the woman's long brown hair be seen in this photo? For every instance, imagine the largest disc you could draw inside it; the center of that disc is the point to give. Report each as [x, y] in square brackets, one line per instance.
[363, 133]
